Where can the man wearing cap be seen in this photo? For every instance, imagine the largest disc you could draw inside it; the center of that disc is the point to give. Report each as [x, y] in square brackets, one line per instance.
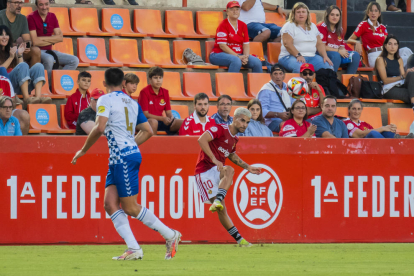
[275, 99]
[86, 119]
[253, 14]
[315, 95]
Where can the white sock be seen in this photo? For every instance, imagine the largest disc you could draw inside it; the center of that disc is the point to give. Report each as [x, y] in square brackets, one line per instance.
[150, 220]
[121, 223]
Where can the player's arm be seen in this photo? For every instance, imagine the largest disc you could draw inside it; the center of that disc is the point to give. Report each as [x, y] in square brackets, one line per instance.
[237, 160]
[203, 141]
[145, 132]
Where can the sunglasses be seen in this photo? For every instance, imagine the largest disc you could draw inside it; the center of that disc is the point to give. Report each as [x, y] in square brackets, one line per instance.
[307, 73]
[44, 28]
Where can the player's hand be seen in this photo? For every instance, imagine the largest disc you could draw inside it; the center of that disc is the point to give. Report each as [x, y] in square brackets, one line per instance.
[79, 154]
[218, 164]
[254, 170]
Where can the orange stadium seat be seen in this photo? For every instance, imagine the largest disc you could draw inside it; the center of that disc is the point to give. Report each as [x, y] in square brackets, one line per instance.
[64, 82]
[345, 81]
[118, 22]
[365, 61]
[142, 81]
[342, 112]
[178, 49]
[231, 84]
[233, 108]
[255, 82]
[180, 22]
[256, 48]
[275, 18]
[273, 52]
[370, 115]
[194, 83]
[62, 15]
[180, 110]
[157, 52]
[66, 46]
[346, 77]
[26, 11]
[402, 118]
[86, 20]
[46, 91]
[208, 21]
[313, 18]
[43, 117]
[149, 22]
[288, 76]
[209, 48]
[93, 51]
[98, 77]
[128, 58]
[172, 83]
[63, 122]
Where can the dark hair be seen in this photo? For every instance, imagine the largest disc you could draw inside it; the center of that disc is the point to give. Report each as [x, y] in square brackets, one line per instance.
[295, 103]
[329, 97]
[84, 74]
[114, 77]
[338, 26]
[277, 67]
[200, 96]
[155, 71]
[224, 97]
[131, 78]
[384, 52]
[5, 54]
[369, 8]
[256, 101]
[352, 102]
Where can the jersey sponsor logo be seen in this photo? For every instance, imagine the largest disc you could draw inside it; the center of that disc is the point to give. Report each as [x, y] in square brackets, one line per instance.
[196, 131]
[221, 34]
[162, 102]
[224, 151]
[258, 198]
[288, 127]
[214, 129]
[101, 109]
[350, 126]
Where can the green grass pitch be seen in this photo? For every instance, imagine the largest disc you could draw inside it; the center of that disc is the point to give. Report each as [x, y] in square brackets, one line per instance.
[266, 259]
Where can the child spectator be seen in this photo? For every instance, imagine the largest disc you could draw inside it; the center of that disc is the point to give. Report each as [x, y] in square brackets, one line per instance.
[130, 84]
[79, 100]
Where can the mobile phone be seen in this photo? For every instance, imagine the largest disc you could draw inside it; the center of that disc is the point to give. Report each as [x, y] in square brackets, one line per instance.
[27, 44]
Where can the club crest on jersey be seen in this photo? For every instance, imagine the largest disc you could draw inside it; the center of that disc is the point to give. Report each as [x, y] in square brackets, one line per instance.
[315, 95]
[162, 102]
[101, 109]
[221, 34]
[210, 192]
[349, 126]
[214, 129]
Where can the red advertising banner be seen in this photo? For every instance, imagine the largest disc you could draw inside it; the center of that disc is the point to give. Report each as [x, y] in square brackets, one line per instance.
[310, 190]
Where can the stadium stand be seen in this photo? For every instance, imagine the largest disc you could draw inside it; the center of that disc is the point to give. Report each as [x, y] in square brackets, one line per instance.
[149, 22]
[46, 90]
[130, 58]
[62, 15]
[194, 83]
[43, 117]
[178, 49]
[26, 11]
[180, 22]
[63, 122]
[209, 47]
[118, 22]
[275, 18]
[371, 115]
[98, 77]
[86, 20]
[402, 118]
[255, 82]
[64, 82]
[273, 51]
[172, 83]
[180, 110]
[93, 51]
[66, 47]
[157, 52]
[207, 22]
[142, 82]
[231, 84]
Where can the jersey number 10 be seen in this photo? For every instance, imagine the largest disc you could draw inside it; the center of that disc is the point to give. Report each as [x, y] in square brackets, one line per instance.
[128, 124]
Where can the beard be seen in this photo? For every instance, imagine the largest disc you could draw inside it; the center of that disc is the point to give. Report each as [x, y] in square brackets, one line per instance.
[200, 114]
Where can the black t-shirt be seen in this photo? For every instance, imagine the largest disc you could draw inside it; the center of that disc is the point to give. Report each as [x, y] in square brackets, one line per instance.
[88, 114]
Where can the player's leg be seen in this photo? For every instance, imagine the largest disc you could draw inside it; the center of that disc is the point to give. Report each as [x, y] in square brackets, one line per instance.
[176, 125]
[226, 178]
[154, 125]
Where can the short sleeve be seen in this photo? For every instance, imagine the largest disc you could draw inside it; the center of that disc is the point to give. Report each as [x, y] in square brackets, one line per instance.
[141, 117]
[245, 33]
[360, 29]
[288, 130]
[215, 131]
[167, 100]
[103, 107]
[369, 126]
[322, 90]
[143, 100]
[241, 2]
[31, 23]
[315, 30]
[323, 30]
[385, 30]
[288, 28]
[25, 27]
[222, 34]
[17, 130]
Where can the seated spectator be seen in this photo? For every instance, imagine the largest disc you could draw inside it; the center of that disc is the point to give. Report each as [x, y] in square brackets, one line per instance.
[9, 125]
[79, 100]
[337, 50]
[86, 119]
[222, 116]
[257, 126]
[275, 99]
[391, 5]
[106, 2]
[16, 22]
[398, 84]
[300, 41]
[253, 14]
[23, 79]
[315, 95]
[45, 32]
[360, 129]
[297, 126]
[154, 100]
[130, 84]
[198, 122]
[232, 47]
[328, 126]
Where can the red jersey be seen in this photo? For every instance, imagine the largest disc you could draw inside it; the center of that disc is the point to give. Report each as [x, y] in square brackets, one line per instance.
[36, 23]
[154, 104]
[234, 38]
[313, 100]
[193, 126]
[352, 126]
[330, 38]
[371, 39]
[292, 129]
[222, 145]
[6, 88]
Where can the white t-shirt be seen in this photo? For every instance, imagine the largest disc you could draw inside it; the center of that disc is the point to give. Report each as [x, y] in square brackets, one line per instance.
[255, 14]
[304, 41]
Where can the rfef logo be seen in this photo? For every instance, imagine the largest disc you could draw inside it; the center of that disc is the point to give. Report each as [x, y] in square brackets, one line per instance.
[42, 117]
[258, 198]
[67, 82]
[117, 22]
[91, 51]
[176, 114]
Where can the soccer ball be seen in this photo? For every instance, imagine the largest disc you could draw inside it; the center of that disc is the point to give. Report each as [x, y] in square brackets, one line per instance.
[297, 88]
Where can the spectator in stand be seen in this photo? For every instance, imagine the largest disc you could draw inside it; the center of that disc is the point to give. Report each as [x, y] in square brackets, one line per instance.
[79, 100]
[45, 32]
[17, 24]
[275, 99]
[297, 126]
[253, 14]
[9, 125]
[337, 50]
[224, 103]
[316, 93]
[300, 41]
[360, 129]
[232, 47]
[154, 100]
[86, 119]
[257, 126]
[398, 84]
[199, 121]
[107, 2]
[130, 84]
[328, 126]
[392, 7]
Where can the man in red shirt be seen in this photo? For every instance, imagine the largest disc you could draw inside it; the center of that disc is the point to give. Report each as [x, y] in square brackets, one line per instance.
[212, 177]
[198, 122]
[79, 100]
[154, 100]
[315, 94]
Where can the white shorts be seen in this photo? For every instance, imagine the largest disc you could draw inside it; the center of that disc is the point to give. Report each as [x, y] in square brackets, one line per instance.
[208, 183]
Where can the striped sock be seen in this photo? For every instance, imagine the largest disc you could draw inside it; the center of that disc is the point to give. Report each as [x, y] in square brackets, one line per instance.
[149, 219]
[221, 194]
[121, 223]
[235, 234]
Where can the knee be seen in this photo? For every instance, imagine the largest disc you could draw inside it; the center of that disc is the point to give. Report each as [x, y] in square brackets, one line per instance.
[35, 51]
[23, 116]
[38, 67]
[110, 207]
[23, 67]
[335, 57]
[228, 171]
[236, 61]
[74, 61]
[48, 60]
[266, 34]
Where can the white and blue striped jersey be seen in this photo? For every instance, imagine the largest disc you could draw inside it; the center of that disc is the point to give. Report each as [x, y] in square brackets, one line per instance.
[123, 115]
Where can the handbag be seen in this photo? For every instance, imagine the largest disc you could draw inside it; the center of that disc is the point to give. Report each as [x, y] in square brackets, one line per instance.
[371, 90]
[354, 86]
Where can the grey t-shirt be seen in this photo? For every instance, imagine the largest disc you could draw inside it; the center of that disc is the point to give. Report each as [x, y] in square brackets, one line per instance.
[18, 27]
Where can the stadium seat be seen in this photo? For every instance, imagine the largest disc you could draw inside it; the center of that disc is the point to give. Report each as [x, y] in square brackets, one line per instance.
[345, 81]
[98, 77]
[194, 83]
[208, 21]
[180, 111]
[128, 58]
[209, 47]
[370, 115]
[313, 18]
[273, 52]
[256, 49]
[93, 51]
[288, 76]
[43, 117]
[26, 11]
[86, 20]
[66, 46]
[178, 49]
[62, 15]
[255, 82]
[402, 118]
[172, 83]
[342, 112]
[180, 22]
[149, 22]
[157, 52]
[142, 81]
[46, 90]
[275, 18]
[118, 22]
[63, 122]
[64, 82]
[365, 61]
[231, 84]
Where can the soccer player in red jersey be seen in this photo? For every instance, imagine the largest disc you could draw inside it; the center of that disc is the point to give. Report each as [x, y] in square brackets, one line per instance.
[213, 178]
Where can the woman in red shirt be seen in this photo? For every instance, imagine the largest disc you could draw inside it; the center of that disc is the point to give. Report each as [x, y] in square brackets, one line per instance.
[232, 47]
[297, 126]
